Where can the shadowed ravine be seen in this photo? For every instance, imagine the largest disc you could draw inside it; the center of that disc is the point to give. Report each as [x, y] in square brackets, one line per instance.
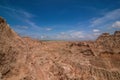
[24, 58]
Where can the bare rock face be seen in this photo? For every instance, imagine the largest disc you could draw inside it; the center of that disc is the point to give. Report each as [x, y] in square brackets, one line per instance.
[110, 43]
[5, 31]
[10, 50]
[30, 59]
[117, 33]
[5, 37]
[6, 50]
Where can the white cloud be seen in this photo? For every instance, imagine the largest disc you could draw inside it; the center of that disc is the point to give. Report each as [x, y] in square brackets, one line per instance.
[96, 30]
[77, 34]
[74, 35]
[110, 16]
[48, 29]
[70, 35]
[116, 24]
[43, 37]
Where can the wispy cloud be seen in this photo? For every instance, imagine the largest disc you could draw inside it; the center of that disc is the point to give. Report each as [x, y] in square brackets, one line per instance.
[73, 35]
[77, 34]
[68, 35]
[23, 16]
[8, 8]
[27, 14]
[31, 23]
[96, 30]
[21, 27]
[106, 18]
[48, 29]
[20, 12]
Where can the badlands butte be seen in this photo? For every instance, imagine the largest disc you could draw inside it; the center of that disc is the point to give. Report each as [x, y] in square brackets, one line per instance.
[24, 58]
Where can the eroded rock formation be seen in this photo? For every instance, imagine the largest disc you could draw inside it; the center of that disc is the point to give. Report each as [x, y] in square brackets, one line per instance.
[30, 59]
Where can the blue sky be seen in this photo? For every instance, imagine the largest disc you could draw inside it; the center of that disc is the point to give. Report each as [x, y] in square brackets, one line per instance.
[62, 19]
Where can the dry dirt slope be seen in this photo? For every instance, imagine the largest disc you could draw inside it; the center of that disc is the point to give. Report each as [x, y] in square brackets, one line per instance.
[29, 59]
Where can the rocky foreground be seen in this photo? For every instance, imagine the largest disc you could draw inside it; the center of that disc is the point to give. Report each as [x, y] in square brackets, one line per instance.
[29, 59]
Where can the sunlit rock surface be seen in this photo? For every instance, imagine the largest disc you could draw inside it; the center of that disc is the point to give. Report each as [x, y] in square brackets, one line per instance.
[30, 59]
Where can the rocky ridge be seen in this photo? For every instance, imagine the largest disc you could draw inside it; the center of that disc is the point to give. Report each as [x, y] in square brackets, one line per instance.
[30, 59]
